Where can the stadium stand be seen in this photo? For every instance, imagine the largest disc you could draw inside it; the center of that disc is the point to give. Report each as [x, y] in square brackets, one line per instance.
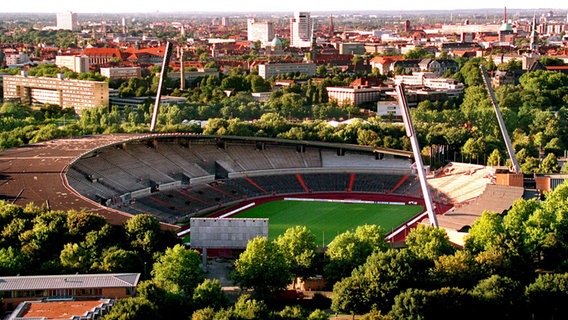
[326, 182]
[241, 170]
[174, 176]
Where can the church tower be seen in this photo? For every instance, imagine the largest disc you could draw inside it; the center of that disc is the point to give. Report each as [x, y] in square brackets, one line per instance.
[331, 31]
[534, 36]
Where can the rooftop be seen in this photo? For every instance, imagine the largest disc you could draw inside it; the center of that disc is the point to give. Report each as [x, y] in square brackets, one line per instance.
[60, 309]
[72, 281]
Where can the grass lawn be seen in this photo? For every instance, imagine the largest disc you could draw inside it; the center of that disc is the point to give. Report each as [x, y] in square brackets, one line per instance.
[327, 219]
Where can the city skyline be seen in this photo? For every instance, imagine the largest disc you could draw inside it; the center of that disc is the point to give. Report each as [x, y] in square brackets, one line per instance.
[169, 6]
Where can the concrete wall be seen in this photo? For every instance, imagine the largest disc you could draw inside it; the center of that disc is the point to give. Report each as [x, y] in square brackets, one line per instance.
[226, 232]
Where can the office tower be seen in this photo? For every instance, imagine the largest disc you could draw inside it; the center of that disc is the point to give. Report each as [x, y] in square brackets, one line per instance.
[67, 21]
[301, 29]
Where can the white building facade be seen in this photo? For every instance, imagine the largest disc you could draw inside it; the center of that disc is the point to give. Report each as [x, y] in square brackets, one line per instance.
[67, 21]
[121, 73]
[301, 30]
[262, 31]
[67, 93]
[266, 71]
[355, 96]
[79, 64]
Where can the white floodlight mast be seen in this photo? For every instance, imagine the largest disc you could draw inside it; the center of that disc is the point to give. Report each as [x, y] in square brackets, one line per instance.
[417, 157]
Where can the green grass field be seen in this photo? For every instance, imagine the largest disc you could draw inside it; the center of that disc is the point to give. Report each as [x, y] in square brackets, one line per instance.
[327, 219]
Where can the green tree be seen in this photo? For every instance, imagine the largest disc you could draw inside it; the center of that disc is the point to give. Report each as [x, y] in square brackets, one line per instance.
[485, 232]
[80, 223]
[530, 166]
[133, 309]
[546, 235]
[248, 308]
[204, 314]
[368, 137]
[76, 257]
[472, 148]
[374, 285]
[169, 301]
[11, 261]
[547, 296]
[298, 245]
[549, 164]
[179, 266]
[494, 158]
[258, 84]
[115, 260]
[291, 313]
[457, 270]
[500, 297]
[318, 315]
[143, 232]
[262, 267]
[444, 303]
[551, 61]
[428, 242]
[418, 53]
[350, 295]
[210, 294]
[350, 250]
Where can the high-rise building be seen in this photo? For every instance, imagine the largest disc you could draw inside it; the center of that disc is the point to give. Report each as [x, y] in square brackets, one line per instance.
[225, 22]
[262, 31]
[67, 21]
[301, 30]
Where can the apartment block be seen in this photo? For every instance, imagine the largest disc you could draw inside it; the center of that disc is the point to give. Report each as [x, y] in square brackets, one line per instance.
[14, 59]
[67, 93]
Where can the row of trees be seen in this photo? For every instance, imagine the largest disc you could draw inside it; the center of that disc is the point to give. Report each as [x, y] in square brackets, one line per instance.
[35, 240]
[535, 113]
[513, 266]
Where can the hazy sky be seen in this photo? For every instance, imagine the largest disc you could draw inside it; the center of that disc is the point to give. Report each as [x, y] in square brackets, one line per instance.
[123, 6]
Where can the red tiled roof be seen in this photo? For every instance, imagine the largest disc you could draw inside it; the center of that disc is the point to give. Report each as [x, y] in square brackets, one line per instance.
[111, 52]
[385, 59]
[60, 309]
[157, 51]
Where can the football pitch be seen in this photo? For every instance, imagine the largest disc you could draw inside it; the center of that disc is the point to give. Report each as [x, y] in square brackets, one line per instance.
[328, 219]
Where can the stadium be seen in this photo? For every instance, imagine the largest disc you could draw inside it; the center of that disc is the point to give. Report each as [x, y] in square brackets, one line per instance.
[178, 176]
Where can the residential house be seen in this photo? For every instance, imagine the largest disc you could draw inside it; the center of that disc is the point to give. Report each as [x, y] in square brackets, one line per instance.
[439, 67]
[407, 66]
[384, 63]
